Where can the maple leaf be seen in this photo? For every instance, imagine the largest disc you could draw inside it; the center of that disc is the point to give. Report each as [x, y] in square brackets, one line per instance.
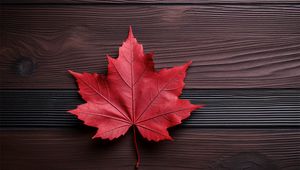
[133, 94]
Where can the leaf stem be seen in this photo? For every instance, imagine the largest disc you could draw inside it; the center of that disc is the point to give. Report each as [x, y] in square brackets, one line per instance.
[136, 149]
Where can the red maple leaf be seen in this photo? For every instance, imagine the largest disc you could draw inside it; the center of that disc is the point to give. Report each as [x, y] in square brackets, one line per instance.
[133, 94]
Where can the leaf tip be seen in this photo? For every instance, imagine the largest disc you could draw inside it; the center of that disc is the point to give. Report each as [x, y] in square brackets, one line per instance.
[199, 106]
[70, 71]
[108, 57]
[70, 111]
[188, 63]
[130, 33]
[73, 73]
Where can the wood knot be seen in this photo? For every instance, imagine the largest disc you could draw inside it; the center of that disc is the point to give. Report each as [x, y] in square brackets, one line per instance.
[25, 66]
[247, 160]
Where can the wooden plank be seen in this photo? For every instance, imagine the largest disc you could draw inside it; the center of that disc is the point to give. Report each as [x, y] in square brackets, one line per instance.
[224, 108]
[232, 46]
[152, 2]
[206, 149]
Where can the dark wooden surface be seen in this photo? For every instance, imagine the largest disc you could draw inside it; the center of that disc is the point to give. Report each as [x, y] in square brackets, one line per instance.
[232, 46]
[224, 108]
[205, 149]
[156, 2]
[246, 69]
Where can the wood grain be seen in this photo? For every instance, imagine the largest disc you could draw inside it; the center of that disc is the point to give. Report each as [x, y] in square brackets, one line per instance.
[232, 46]
[151, 2]
[224, 108]
[205, 149]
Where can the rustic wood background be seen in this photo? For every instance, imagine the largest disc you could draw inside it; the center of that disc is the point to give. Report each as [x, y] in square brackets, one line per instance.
[246, 69]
